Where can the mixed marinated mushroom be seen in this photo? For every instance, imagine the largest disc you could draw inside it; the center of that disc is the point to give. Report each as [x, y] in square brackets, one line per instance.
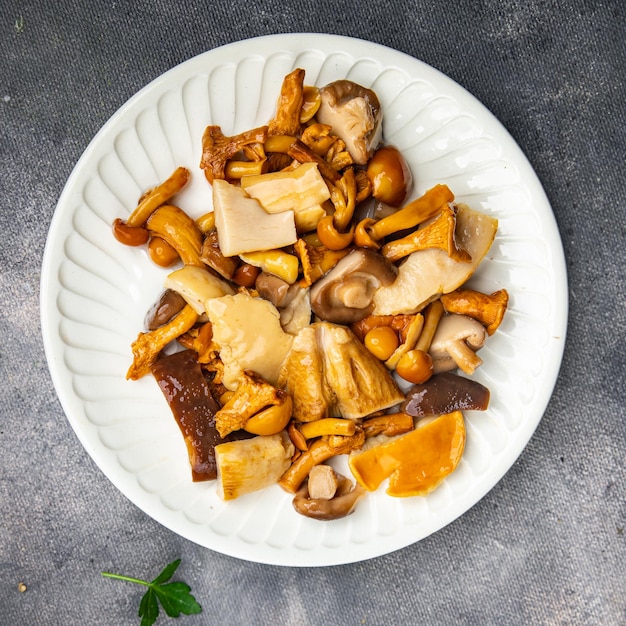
[316, 312]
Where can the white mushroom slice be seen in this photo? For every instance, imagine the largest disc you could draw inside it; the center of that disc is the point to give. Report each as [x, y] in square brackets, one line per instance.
[426, 274]
[294, 190]
[249, 465]
[243, 225]
[296, 314]
[249, 335]
[455, 343]
[197, 285]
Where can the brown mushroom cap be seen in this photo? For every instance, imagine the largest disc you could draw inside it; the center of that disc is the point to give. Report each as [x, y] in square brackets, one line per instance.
[355, 115]
[272, 288]
[345, 295]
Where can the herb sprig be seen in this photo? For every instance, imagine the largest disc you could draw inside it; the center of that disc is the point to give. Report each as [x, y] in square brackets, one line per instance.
[175, 598]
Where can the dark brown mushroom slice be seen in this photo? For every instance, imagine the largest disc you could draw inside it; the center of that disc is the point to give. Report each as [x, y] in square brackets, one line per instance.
[445, 393]
[272, 288]
[345, 294]
[187, 392]
[169, 304]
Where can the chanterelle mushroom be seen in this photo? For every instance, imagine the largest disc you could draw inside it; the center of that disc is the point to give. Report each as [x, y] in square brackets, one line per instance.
[455, 342]
[355, 115]
[346, 294]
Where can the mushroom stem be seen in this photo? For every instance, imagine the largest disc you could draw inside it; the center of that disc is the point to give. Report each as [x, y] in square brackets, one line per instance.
[319, 451]
[414, 213]
[158, 196]
[432, 314]
[465, 358]
[437, 234]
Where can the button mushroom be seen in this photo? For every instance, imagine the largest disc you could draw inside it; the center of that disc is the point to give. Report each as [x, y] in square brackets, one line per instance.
[345, 295]
[455, 342]
[355, 115]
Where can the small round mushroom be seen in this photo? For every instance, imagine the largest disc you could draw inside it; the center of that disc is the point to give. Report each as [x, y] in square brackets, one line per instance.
[345, 295]
[455, 343]
[355, 114]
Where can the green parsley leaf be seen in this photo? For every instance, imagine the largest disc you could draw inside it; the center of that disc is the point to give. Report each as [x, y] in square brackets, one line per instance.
[175, 598]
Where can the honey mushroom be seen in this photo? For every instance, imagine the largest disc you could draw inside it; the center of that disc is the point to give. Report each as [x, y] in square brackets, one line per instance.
[319, 451]
[371, 232]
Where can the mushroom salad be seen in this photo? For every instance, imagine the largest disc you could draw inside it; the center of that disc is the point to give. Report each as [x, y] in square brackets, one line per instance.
[315, 311]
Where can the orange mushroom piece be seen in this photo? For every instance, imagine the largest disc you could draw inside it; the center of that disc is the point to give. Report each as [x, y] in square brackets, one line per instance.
[437, 234]
[413, 213]
[256, 406]
[154, 198]
[286, 120]
[487, 309]
[217, 148]
[389, 424]
[180, 231]
[147, 347]
[415, 463]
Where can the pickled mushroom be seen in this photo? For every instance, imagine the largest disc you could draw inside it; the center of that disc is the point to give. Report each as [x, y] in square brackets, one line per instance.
[187, 392]
[455, 343]
[426, 274]
[327, 495]
[346, 294]
[416, 462]
[330, 372]
[445, 393]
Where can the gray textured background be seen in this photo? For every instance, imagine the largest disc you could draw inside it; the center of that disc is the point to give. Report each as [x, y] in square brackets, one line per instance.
[547, 544]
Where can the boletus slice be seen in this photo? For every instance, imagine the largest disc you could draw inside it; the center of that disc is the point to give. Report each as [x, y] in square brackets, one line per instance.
[445, 393]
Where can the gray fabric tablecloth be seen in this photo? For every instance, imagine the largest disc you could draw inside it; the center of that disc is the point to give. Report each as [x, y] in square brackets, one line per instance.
[547, 544]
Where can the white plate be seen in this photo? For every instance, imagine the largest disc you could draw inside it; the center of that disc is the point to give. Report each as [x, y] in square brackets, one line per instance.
[94, 291]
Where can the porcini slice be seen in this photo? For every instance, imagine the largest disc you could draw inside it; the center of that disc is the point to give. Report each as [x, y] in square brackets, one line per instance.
[249, 465]
[426, 274]
[416, 462]
[445, 393]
